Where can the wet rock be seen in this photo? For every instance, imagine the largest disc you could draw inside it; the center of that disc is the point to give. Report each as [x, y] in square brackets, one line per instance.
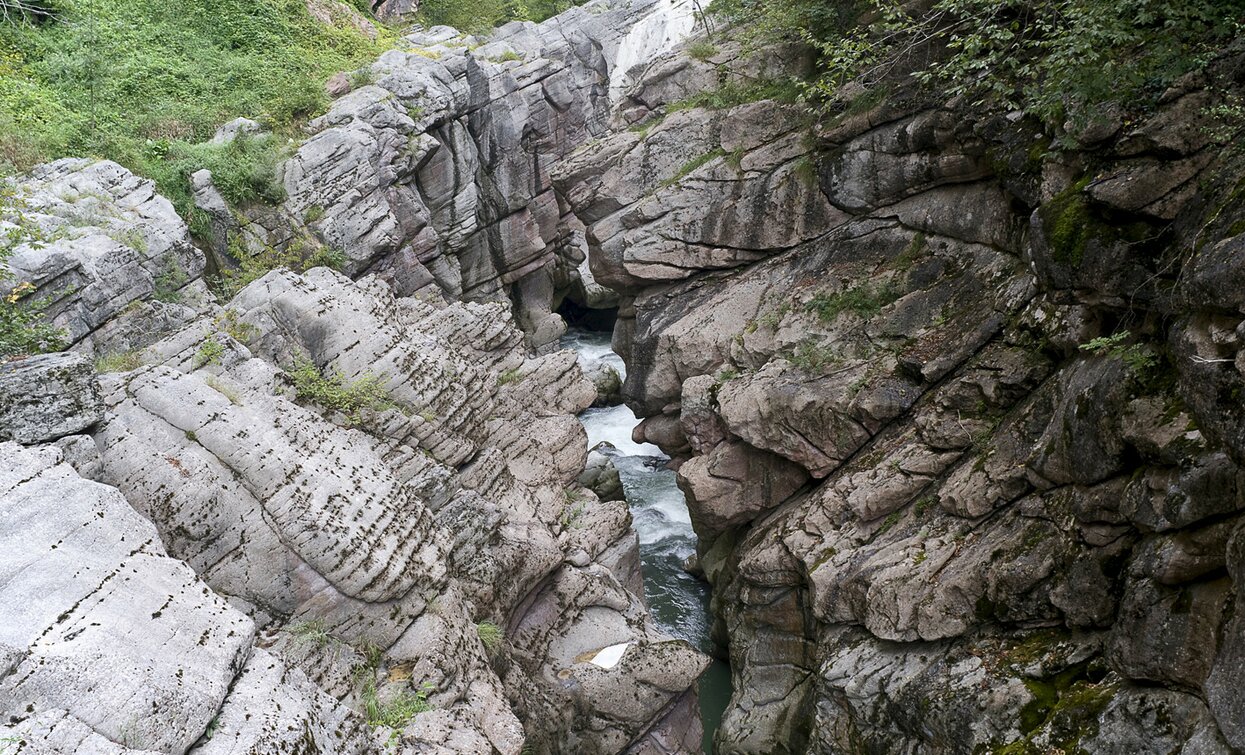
[608, 384]
[601, 477]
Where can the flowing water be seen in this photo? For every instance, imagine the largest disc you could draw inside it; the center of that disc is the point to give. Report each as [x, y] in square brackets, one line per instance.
[678, 601]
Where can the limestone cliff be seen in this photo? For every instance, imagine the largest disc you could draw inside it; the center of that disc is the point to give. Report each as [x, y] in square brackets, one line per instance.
[956, 411]
[327, 513]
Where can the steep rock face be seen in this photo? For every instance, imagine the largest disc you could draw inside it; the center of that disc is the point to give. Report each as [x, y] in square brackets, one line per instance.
[110, 257]
[934, 522]
[435, 176]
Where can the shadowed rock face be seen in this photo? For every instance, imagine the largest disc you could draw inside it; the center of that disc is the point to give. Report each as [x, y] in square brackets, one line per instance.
[934, 522]
[335, 514]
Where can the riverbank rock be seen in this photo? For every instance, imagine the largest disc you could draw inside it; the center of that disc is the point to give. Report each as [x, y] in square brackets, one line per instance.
[954, 422]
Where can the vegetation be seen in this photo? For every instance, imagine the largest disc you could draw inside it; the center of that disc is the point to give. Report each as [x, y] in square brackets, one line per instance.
[143, 82]
[491, 635]
[121, 361]
[299, 256]
[865, 299]
[506, 377]
[333, 391]
[1139, 358]
[22, 327]
[473, 17]
[692, 165]
[1059, 60]
[209, 352]
[398, 711]
[313, 632]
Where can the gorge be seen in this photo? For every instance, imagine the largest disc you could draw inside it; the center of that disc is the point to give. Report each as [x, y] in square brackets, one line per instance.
[597, 385]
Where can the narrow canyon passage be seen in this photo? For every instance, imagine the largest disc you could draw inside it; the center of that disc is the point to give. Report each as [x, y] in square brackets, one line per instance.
[679, 602]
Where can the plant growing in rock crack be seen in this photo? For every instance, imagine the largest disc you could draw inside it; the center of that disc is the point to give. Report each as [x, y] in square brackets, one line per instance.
[333, 391]
[229, 322]
[506, 377]
[693, 165]
[1139, 358]
[168, 283]
[215, 384]
[865, 299]
[300, 255]
[490, 635]
[23, 327]
[313, 632]
[209, 353]
[119, 361]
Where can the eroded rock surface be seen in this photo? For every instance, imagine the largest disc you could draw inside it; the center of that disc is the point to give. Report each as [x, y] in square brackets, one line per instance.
[937, 514]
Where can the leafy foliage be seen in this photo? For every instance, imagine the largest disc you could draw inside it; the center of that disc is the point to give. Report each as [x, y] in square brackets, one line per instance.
[473, 17]
[142, 81]
[1056, 59]
[334, 391]
[491, 635]
[23, 329]
[299, 255]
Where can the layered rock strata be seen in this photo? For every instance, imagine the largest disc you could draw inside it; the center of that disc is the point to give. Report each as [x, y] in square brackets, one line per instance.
[955, 409]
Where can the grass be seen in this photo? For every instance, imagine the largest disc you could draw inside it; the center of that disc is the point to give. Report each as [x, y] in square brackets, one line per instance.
[215, 384]
[209, 352]
[730, 95]
[702, 50]
[692, 165]
[480, 15]
[506, 377]
[333, 391]
[119, 361]
[865, 300]
[314, 633]
[142, 82]
[299, 256]
[491, 635]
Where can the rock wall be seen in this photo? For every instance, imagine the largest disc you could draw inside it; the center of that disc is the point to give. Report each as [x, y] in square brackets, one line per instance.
[337, 513]
[956, 410]
[431, 169]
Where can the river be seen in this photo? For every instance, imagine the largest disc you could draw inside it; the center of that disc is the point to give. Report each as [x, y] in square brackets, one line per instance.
[678, 601]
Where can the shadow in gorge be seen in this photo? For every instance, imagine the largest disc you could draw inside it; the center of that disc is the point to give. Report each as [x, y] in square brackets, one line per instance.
[678, 601]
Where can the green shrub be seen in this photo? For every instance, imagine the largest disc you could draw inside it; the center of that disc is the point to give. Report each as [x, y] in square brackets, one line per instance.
[397, 712]
[299, 255]
[23, 327]
[1056, 59]
[209, 352]
[333, 391]
[169, 283]
[143, 81]
[702, 50]
[507, 377]
[865, 300]
[481, 15]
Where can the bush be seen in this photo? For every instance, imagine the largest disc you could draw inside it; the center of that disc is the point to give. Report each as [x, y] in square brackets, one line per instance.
[1056, 59]
[299, 256]
[490, 635]
[333, 391]
[143, 81]
[475, 17]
